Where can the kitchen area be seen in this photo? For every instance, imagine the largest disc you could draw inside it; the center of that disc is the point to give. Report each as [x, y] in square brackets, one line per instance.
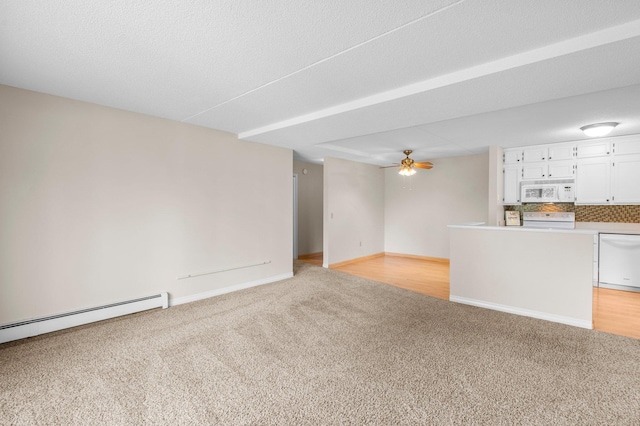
[568, 246]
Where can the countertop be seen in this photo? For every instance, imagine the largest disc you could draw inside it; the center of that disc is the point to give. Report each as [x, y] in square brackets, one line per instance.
[480, 225]
[610, 227]
[581, 228]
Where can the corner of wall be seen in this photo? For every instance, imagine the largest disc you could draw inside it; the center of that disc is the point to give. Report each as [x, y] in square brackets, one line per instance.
[495, 212]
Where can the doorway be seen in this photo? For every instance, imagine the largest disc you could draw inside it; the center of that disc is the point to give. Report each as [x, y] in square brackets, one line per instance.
[307, 187]
[295, 215]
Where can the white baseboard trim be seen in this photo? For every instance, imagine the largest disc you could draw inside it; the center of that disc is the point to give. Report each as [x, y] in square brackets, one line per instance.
[37, 326]
[524, 312]
[225, 290]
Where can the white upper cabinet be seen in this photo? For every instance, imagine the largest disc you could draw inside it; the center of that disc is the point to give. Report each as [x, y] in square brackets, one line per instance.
[549, 161]
[606, 170]
[534, 154]
[625, 179]
[593, 176]
[626, 145]
[600, 148]
[561, 169]
[536, 170]
[512, 173]
[512, 156]
[562, 151]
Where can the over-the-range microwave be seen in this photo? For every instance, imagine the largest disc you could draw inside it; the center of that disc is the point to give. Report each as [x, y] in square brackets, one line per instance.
[548, 192]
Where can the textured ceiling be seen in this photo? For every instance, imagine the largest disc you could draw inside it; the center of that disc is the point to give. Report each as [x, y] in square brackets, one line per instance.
[361, 79]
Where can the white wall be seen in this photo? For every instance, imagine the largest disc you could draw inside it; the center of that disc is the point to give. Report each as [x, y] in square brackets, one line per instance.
[538, 273]
[419, 208]
[99, 205]
[353, 210]
[309, 207]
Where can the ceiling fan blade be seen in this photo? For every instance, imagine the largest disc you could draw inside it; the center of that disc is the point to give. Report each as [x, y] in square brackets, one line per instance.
[386, 167]
[423, 165]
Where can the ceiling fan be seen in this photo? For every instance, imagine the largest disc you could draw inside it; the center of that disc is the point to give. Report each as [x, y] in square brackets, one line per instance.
[408, 166]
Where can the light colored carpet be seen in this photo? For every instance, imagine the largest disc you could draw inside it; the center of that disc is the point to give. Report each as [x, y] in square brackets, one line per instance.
[321, 348]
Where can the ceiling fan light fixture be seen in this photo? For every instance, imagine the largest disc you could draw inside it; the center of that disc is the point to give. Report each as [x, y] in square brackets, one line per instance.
[598, 129]
[406, 171]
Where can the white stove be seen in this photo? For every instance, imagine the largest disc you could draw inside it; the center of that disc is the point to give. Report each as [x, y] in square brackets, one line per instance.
[554, 220]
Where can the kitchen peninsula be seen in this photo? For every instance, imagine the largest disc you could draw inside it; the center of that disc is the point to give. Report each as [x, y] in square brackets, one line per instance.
[540, 273]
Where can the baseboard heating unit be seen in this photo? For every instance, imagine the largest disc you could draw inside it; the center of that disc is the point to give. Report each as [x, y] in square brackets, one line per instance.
[34, 327]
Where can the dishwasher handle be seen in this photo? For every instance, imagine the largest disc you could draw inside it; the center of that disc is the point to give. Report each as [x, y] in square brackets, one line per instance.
[621, 240]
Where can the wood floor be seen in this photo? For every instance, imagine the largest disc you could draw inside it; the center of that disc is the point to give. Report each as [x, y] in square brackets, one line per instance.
[614, 311]
[313, 258]
[421, 276]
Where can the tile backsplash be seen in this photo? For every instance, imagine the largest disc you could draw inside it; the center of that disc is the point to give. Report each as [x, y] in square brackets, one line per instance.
[619, 214]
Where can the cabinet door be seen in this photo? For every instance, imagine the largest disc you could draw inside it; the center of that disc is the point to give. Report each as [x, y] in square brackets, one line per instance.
[593, 149]
[626, 179]
[512, 156]
[561, 151]
[593, 181]
[626, 145]
[512, 175]
[561, 169]
[537, 170]
[534, 154]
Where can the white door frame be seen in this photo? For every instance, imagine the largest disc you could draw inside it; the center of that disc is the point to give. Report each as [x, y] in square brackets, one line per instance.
[295, 215]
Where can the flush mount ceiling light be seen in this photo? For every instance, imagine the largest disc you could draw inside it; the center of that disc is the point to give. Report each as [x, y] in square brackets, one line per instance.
[598, 129]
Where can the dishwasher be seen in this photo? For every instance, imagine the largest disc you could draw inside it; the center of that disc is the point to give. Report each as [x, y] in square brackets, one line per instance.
[619, 263]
